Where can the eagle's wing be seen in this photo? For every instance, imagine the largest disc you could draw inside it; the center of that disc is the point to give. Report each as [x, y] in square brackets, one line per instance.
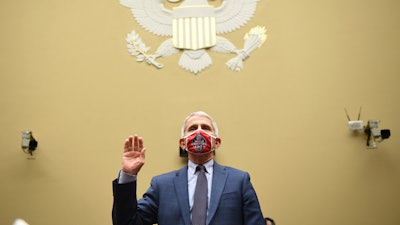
[232, 14]
[151, 15]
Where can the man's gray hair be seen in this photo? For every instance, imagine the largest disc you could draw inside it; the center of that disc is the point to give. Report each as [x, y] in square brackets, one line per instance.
[201, 114]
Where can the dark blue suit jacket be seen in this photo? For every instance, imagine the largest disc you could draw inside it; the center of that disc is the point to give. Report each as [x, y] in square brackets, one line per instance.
[233, 200]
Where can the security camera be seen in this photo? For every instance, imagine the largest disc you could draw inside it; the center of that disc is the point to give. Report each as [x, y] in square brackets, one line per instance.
[374, 134]
[29, 144]
[373, 126]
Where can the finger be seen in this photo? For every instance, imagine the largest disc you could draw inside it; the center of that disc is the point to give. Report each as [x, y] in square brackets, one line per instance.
[128, 144]
[140, 142]
[143, 154]
[135, 143]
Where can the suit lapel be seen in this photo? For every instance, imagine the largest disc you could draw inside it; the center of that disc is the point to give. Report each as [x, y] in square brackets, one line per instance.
[218, 184]
[181, 187]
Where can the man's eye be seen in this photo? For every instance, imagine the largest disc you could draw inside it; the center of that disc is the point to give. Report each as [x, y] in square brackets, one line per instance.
[206, 128]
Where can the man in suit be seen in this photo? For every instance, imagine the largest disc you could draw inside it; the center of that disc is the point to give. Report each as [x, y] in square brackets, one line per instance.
[231, 199]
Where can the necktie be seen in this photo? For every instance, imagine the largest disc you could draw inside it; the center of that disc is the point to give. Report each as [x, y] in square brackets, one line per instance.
[199, 211]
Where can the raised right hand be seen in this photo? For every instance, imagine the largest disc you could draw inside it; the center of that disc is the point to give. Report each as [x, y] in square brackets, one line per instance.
[134, 154]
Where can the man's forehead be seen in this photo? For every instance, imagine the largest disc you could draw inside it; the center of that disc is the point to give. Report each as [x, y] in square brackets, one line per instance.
[198, 120]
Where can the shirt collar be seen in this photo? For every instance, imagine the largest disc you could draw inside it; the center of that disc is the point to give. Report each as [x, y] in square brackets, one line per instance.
[208, 165]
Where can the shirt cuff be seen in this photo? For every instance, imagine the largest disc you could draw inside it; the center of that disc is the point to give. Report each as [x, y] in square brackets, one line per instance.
[124, 178]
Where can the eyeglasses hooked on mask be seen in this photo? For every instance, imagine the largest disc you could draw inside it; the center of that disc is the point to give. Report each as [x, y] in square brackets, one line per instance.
[199, 142]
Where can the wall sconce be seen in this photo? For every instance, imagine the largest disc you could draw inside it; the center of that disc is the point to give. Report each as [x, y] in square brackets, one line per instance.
[20, 222]
[374, 135]
[29, 144]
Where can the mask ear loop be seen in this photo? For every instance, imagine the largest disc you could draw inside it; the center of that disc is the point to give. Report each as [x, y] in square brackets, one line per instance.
[186, 143]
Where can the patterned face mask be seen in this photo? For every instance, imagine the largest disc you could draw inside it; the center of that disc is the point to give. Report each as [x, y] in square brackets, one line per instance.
[199, 142]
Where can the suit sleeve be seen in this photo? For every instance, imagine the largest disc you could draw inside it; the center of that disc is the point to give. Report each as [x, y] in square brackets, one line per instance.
[252, 214]
[127, 210]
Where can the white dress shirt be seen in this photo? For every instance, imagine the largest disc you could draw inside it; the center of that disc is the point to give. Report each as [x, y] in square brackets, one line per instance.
[192, 179]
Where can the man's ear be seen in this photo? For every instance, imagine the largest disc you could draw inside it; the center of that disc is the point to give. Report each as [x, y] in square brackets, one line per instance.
[182, 143]
[217, 142]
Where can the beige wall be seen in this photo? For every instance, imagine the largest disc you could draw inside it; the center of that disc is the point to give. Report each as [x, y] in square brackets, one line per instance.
[66, 75]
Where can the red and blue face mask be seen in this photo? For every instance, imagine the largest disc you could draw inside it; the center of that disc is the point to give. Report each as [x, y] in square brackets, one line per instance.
[199, 142]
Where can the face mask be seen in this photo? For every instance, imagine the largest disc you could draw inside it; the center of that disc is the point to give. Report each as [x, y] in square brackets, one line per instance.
[199, 142]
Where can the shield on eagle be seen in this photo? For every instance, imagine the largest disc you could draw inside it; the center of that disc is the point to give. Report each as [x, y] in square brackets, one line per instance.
[193, 27]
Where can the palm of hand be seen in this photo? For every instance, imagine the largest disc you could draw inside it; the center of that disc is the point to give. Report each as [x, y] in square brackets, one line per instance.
[134, 154]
